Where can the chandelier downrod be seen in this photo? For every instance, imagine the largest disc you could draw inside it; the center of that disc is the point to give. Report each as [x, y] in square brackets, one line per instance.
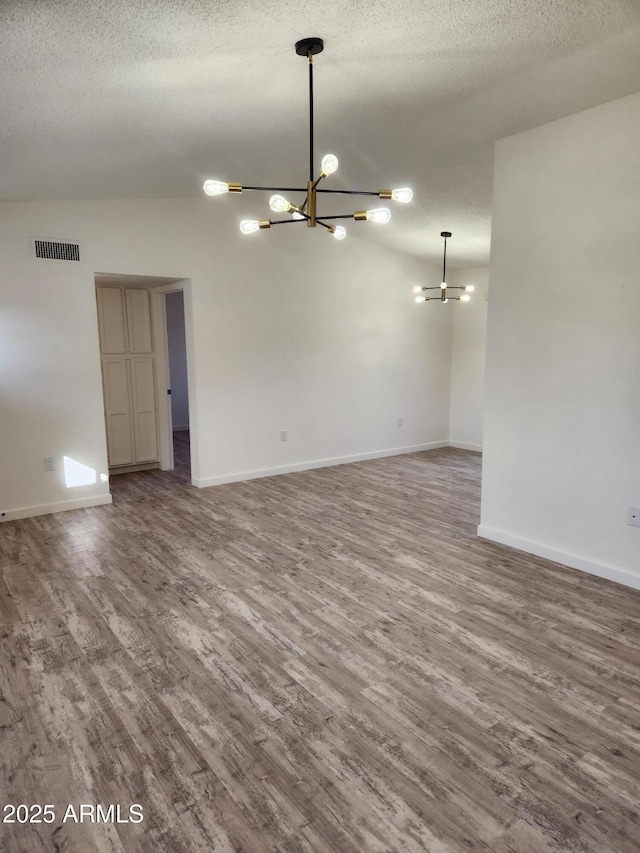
[310, 116]
[307, 211]
[445, 234]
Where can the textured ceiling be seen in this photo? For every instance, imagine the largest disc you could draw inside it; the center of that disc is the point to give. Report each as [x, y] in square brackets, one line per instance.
[123, 98]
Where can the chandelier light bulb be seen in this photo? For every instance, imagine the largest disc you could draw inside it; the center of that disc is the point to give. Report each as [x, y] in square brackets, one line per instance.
[469, 288]
[465, 297]
[446, 300]
[417, 289]
[340, 232]
[329, 164]
[404, 194]
[215, 187]
[444, 285]
[279, 204]
[248, 226]
[421, 299]
[297, 215]
[379, 214]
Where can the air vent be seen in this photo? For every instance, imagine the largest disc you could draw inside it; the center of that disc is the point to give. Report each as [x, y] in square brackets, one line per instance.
[57, 251]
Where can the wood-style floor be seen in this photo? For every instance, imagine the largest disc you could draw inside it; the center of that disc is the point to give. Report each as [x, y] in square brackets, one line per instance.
[324, 661]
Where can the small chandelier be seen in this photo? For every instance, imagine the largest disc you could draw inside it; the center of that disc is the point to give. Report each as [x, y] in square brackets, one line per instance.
[307, 210]
[444, 288]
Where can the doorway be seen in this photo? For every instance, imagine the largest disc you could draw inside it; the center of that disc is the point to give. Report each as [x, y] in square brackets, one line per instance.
[161, 308]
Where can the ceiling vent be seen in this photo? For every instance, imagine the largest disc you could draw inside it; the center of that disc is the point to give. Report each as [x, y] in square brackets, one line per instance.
[56, 251]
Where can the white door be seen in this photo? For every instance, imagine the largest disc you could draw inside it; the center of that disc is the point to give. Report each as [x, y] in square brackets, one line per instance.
[111, 320]
[126, 344]
[143, 399]
[117, 409]
[138, 321]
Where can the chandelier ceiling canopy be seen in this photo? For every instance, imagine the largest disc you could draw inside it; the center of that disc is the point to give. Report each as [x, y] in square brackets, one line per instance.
[443, 287]
[306, 211]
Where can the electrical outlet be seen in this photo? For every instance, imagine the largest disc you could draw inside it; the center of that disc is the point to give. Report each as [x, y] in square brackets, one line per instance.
[633, 516]
[49, 463]
[283, 435]
[400, 421]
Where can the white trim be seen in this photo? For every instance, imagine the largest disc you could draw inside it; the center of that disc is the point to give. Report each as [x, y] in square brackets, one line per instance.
[163, 382]
[316, 463]
[462, 445]
[574, 561]
[165, 425]
[175, 285]
[59, 506]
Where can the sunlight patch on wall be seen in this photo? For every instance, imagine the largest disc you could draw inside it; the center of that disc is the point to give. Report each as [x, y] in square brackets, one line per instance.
[77, 474]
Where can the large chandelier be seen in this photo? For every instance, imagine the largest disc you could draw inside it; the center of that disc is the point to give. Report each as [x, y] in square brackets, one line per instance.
[443, 287]
[307, 210]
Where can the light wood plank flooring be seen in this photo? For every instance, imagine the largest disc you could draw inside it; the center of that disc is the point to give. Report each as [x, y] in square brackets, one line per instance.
[324, 661]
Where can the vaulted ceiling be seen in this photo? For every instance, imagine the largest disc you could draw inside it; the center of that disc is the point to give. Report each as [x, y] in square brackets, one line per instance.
[123, 98]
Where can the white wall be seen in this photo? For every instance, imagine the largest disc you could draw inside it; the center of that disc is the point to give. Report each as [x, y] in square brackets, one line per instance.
[50, 384]
[468, 346]
[177, 352]
[562, 423]
[290, 330]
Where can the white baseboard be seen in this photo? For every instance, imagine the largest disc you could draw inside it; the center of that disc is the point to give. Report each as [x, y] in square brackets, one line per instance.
[183, 428]
[573, 561]
[462, 445]
[204, 482]
[60, 506]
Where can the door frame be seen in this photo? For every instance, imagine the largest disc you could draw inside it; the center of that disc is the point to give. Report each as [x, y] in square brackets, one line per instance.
[163, 375]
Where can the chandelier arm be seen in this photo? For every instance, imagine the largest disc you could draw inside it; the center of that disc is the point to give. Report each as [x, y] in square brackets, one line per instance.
[349, 192]
[317, 181]
[337, 216]
[285, 221]
[278, 189]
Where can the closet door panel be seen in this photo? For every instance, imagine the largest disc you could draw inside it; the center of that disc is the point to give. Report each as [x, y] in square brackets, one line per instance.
[144, 409]
[115, 379]
[111, 323]
[138, 321]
